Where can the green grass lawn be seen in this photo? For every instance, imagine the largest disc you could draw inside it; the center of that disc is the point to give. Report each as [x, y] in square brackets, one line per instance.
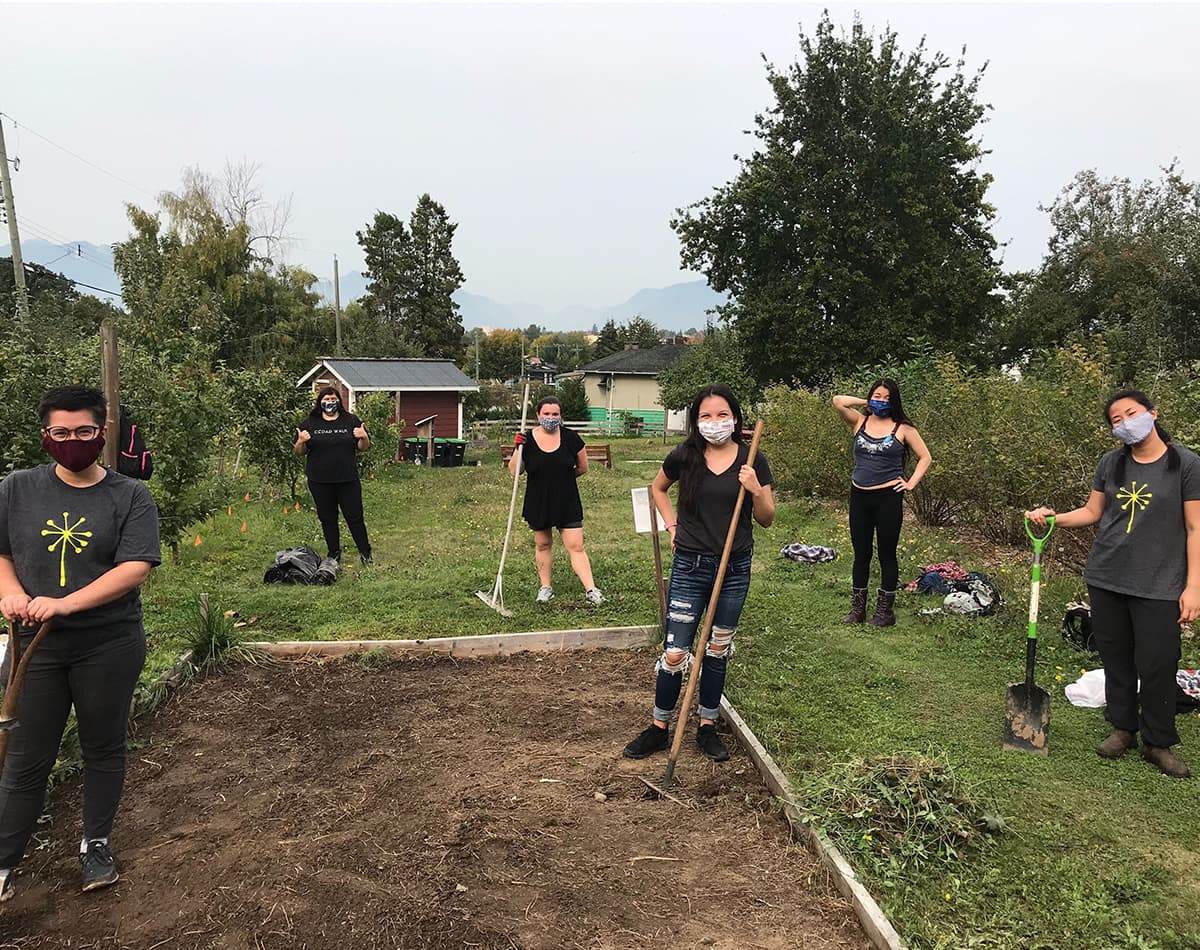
[1096, 854]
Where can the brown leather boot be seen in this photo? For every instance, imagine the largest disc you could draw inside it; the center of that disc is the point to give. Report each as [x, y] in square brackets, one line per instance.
[858, 606]
[1119, 742]
[1165, 761]
[884, 615]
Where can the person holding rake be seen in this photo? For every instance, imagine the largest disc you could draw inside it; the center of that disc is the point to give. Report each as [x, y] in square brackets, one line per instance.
[76, 542]
[710, 466]
[554, 458]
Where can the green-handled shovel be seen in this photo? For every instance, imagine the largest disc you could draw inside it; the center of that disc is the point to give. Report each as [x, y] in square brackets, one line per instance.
[1027, 707]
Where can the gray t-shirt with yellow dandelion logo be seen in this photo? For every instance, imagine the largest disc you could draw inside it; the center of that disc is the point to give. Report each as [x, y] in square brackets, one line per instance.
[61, 539]
[1141, 541]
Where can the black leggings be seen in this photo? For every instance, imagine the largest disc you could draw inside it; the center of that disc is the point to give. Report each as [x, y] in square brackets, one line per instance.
[328, 497]
[1138, 640]
[875, 518]
[96, 673]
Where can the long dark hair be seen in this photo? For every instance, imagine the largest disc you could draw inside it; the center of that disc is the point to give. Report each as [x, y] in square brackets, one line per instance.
[692, 466]
[1118, 472]
[321, 394]
[895, 403]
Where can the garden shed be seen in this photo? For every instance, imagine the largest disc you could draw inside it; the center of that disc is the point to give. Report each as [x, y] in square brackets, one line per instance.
[422, 387]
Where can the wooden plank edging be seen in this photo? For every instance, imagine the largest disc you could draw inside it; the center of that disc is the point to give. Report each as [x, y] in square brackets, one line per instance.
[495, 644]
[874, 921]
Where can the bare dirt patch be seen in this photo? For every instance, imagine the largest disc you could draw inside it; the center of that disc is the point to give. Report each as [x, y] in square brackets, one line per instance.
[427, 803]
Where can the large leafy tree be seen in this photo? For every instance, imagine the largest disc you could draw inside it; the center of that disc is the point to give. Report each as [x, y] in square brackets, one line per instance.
[718, 359]
[413, 273]
[1123, 262]
[858, 226]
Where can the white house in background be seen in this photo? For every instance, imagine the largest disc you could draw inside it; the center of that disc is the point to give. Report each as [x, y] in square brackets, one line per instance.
[626, 383]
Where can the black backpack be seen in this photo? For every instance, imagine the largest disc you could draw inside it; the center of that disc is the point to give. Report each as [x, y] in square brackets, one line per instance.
[133, 459]
[1077, 628]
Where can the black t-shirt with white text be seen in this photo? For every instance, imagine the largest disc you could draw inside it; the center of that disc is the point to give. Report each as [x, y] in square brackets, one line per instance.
[332, 450]
[703, 526]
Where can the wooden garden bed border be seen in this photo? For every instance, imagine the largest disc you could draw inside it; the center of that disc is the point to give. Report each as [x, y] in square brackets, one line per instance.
[877, 927]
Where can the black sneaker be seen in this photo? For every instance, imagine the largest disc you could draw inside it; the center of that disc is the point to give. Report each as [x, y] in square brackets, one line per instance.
[98, 867]
[8, 889]
[710, 743]
[650, 740]
[366, 559]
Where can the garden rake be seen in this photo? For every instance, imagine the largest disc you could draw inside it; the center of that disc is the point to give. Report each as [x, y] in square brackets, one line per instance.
[662, 787]
[16, 680]
[495, 599]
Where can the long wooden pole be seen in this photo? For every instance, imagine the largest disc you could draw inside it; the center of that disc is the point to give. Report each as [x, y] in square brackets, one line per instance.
[112, 391]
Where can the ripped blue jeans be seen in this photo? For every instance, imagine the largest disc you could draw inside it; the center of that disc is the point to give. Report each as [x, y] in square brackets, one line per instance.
[692, 580]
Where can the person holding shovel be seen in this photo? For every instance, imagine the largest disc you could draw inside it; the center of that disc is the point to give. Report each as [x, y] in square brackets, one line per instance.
[332, 439]
[76, 542]
[554, 458]
[711, 466]
[1143, 575]
[883, 436]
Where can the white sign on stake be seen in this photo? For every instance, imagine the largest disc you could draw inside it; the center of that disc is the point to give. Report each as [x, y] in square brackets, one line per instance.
[641, 511]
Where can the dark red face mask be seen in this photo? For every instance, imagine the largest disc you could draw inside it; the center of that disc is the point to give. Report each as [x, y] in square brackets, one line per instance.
[74, 454]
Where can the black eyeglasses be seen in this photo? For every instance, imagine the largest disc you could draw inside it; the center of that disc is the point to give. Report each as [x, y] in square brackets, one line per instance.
[62, 433]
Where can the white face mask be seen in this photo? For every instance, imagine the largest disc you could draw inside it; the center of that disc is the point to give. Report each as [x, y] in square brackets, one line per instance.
[1134, 430]
[716, 432]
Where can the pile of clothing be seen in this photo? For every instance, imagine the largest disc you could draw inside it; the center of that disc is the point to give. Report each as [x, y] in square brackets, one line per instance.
[970, 593]
[808, 553]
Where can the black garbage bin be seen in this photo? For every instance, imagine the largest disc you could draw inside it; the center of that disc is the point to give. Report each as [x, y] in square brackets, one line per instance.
[416, 450]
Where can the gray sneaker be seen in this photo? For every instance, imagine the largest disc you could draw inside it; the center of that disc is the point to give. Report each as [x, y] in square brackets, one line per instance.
[545, 595]
[8, 889]
[594, 596]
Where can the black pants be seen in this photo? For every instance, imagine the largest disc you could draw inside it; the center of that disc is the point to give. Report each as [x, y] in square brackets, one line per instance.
[96, 673]
[1138, 639]
[875, 519]
[328, 497]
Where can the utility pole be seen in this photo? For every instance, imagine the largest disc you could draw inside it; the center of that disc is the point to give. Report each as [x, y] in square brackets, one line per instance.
[14, 237]
[337, 309]
[477, 355]
[112, 391]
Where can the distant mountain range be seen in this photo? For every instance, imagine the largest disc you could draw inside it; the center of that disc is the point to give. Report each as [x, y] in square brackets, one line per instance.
[677, 307]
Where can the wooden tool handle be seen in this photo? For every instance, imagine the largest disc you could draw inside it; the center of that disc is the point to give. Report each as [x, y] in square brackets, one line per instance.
[16, 680]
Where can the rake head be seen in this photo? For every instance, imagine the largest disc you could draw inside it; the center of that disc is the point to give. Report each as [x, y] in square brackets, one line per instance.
[495, 600]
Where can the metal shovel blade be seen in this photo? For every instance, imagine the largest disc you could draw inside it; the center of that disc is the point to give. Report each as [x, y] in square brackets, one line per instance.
[1027, 718]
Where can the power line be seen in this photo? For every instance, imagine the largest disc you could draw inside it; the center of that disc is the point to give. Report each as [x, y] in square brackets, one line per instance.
[80, 283]
[78, 157]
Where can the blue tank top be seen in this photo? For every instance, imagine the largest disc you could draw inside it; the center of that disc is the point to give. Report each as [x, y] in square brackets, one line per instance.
[877, 461]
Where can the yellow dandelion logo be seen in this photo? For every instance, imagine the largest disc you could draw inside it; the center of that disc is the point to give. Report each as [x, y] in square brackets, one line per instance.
[1136, 499]
[66, 535]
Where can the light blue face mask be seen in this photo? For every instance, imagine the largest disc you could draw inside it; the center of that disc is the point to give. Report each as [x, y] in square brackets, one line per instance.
[549, 423]
[1134, 430]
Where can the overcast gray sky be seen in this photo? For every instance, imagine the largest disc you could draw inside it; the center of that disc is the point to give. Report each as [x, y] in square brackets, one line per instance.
[559, 137]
